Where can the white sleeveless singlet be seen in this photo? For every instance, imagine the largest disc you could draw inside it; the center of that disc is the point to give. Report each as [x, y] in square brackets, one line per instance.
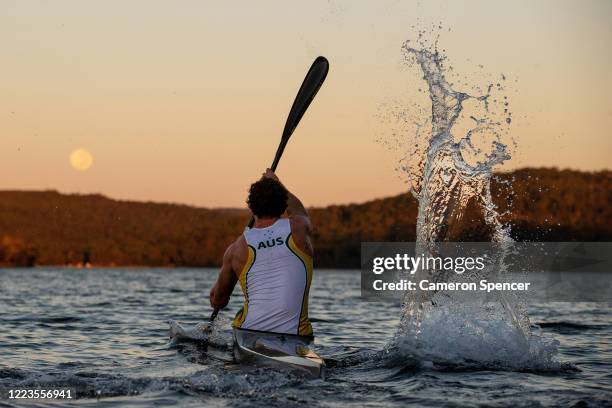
[275, 282]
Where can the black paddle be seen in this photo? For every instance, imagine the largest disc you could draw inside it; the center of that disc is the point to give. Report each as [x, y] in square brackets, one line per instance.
[312, 82]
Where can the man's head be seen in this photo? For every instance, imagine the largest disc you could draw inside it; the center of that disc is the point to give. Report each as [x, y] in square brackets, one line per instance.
[267, 198]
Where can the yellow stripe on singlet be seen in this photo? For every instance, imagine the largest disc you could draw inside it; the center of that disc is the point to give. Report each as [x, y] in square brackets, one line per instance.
[305, 328]
[241, 315]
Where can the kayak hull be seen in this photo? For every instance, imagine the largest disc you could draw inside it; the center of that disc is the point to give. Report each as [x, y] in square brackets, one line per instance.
[277, 350]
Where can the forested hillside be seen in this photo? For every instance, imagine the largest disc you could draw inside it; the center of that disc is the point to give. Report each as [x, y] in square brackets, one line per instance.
[49, 228]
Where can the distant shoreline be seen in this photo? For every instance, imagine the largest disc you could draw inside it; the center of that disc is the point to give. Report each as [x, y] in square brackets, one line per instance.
[47, 228]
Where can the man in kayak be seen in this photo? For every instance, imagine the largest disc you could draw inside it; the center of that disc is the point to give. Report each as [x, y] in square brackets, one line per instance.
[272, 261]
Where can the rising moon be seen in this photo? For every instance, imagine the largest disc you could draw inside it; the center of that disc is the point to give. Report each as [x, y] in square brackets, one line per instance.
[81, 160]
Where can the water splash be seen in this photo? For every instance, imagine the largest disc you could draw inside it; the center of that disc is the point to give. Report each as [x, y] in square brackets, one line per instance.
[449, 167]
[445, 182]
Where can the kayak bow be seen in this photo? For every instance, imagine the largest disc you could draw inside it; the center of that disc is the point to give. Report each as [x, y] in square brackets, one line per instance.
[277, 350]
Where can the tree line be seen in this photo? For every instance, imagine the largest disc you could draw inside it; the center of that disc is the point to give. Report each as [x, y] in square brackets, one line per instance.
[49, 228]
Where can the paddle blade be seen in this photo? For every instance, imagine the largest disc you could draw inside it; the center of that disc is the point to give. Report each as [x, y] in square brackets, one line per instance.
[312, 82]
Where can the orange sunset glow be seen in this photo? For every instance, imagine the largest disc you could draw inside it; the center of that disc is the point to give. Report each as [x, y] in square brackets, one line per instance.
[187, 104]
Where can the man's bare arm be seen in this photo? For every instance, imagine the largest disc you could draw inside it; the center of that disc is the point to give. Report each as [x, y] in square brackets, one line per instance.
[294, 205]
[223, 288]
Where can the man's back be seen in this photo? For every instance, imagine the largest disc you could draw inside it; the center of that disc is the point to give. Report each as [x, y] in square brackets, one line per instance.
[272, 262]
[275, 280]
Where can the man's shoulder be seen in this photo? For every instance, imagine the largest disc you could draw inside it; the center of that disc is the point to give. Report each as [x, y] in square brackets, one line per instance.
[236, 247]
[236, 253]
[239, 243]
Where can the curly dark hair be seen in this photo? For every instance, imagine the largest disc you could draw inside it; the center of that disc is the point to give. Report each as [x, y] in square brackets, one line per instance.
[267, 198]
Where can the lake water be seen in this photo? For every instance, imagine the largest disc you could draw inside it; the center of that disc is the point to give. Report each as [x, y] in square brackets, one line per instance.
[103, 332]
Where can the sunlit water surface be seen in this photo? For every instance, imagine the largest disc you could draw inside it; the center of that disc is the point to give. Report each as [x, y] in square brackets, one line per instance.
[104, 333]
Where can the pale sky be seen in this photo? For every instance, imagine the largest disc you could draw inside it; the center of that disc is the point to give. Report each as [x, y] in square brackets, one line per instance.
[185, 101]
